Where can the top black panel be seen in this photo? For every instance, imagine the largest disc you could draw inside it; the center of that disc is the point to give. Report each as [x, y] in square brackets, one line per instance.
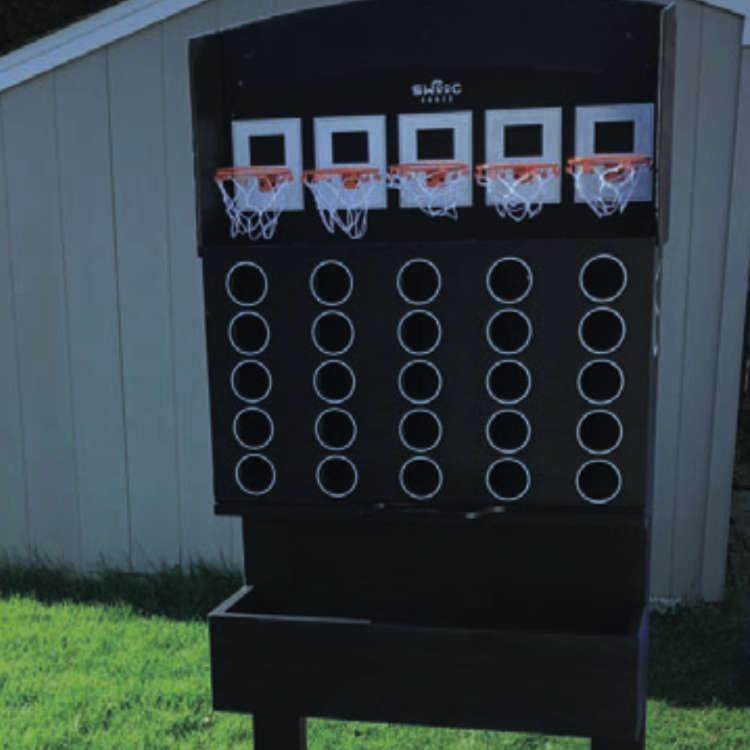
[371, 58]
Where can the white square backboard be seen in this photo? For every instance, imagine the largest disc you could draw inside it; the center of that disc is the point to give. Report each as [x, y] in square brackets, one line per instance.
[642, 117]
[374, 126]
[550, 119]
[409, 127]
[292, 198]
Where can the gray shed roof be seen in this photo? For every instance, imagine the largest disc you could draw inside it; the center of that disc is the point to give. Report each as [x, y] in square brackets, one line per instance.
[127, 18]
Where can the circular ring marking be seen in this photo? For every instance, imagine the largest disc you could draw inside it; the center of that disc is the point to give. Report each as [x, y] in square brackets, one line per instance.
[510, 284]
[508, 382]
[253, 429]
[419, 281]
[601, 382]
[602, 330]
[336, 476]
[251, 381]
[508, 424]
[333, 333]
[511, 335]
[334, 381]
[420, 430]
[599, 432]
[336, 429]
[508, 479]
[249, 333]
[246, 284]
[331, 283]
[419, 332]
[255, 474]
[603, 278]
[420, 382]
[598, 482]
[421, 478]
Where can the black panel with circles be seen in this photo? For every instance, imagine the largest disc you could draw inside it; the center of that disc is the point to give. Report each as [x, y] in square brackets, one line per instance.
[449, 375]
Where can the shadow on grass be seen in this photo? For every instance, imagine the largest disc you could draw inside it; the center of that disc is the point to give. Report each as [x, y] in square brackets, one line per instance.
[697, 655]
[171, 592]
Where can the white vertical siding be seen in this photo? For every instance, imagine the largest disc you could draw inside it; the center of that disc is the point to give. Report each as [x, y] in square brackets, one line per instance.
[136, 100]
[675, 272]
[83, 144]
[32, 176]
[719, 53]
[729, 358]
[201, 534]
[104, 422]
[14, 533]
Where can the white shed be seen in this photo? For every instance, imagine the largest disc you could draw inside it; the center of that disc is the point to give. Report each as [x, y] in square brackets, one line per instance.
[104, 426]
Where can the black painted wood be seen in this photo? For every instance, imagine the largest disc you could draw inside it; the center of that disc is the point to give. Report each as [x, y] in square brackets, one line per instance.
[556, 682]
[639, 744]
[274, 731]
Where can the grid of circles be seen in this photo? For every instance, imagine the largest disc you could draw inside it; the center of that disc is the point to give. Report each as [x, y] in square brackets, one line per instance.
[249, 335]
[334, 382]
[508, 333]
[601, 381]
[420, 381]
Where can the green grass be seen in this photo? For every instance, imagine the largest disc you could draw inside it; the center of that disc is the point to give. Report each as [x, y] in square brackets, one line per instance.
[121, 661]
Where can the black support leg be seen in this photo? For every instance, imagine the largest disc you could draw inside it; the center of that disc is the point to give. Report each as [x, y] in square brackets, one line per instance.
[639, 744]
[279, 732]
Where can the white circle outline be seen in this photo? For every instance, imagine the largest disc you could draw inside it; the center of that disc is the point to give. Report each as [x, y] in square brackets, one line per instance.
[609, 450]
[265, 369]
[315, 381]
[607, 499]
[497, 494]
[247, 352]
[411, 447]
[420, 362]
[598, 362]
[437, 273]
[270, 422]
[508, 451]
[328, 492]
[242, 486]
[590, 313]
[587, 293]
[229, 291]
[510, 362]
[497, 297]
[331, 262]
[413, 351]
[329, 313]
[422, 459]
[331, 447]
[507, 352]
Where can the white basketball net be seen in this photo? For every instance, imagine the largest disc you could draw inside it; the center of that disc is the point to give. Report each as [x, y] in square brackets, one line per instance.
[608, 187]
[516, 196]
[343, 202]
[425, 189]
[253, 203]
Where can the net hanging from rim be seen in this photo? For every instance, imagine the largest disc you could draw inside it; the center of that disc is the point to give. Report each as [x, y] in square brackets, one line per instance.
[516, 189]
[253, 198]
[608, 182]
[343, 196]
[435, 187]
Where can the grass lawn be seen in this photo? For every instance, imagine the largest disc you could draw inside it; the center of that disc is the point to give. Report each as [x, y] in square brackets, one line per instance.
[122, 662]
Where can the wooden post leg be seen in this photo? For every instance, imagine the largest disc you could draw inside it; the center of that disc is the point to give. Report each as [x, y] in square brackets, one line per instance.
[279, 732]
[639, 744]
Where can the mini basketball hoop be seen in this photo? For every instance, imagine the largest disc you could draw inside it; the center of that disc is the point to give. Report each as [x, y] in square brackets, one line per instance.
[253, 198]
[516, 189]
[435, 187]
[343, 196]
[607, 182]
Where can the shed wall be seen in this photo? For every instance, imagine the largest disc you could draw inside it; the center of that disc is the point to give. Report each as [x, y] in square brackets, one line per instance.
[104, 428]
